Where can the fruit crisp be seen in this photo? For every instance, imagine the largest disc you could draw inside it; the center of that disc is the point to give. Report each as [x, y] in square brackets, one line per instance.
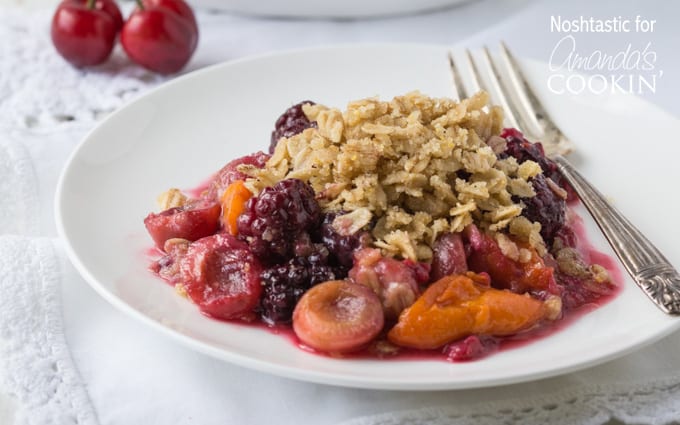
[415, 223]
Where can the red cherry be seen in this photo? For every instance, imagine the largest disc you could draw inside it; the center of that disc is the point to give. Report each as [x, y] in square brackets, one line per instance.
[160, 35]
[190, 222]
[222, 277]
[84, 31]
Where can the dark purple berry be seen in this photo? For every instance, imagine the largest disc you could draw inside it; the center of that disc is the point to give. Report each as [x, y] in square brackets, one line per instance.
[546, 208]
[285, 283]
[342, 247]
[521, 149]
[274, 220]
[290, 123]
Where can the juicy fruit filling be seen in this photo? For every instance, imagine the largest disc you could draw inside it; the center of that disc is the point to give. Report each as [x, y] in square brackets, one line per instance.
[410, 225]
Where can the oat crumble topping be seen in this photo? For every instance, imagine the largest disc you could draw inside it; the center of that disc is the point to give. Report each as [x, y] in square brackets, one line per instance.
[416, 166]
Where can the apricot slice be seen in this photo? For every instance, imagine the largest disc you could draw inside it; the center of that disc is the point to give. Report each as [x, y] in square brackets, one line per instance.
[457, 306]
[338, 316]
[233, 202]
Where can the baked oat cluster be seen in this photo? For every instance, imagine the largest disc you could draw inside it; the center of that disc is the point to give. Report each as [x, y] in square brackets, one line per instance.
[415, 223]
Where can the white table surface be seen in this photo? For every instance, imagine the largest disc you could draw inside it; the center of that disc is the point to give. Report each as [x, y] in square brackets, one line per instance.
[523, 24]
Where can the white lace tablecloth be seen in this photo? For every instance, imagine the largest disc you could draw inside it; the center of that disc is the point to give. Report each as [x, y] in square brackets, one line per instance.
[67, 357]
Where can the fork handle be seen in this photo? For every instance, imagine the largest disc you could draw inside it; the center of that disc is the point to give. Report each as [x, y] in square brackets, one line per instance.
[650, 270]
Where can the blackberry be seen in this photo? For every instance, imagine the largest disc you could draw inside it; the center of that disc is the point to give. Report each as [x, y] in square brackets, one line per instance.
[290, 123]
[285, 283]
[521, 149]
[546, 208]
[340, 246]
[273, 221]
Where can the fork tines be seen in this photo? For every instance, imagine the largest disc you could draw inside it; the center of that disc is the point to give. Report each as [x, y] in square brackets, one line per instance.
[505, 82]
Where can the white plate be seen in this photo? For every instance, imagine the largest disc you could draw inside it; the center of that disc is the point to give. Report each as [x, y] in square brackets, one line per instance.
[325, 9]
[179, 134]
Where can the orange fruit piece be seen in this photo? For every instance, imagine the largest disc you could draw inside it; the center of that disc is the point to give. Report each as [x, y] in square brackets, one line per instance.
[233, 203]
[457, 306]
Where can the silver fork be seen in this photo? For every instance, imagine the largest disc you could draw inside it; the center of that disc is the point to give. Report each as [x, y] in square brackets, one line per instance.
[652, 272]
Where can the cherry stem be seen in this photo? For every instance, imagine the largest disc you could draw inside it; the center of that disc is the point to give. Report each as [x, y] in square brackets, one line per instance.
[140, 5]
[90, 4]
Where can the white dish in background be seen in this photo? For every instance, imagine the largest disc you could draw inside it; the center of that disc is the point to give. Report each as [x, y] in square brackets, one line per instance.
[325, 9]
[179, 134]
